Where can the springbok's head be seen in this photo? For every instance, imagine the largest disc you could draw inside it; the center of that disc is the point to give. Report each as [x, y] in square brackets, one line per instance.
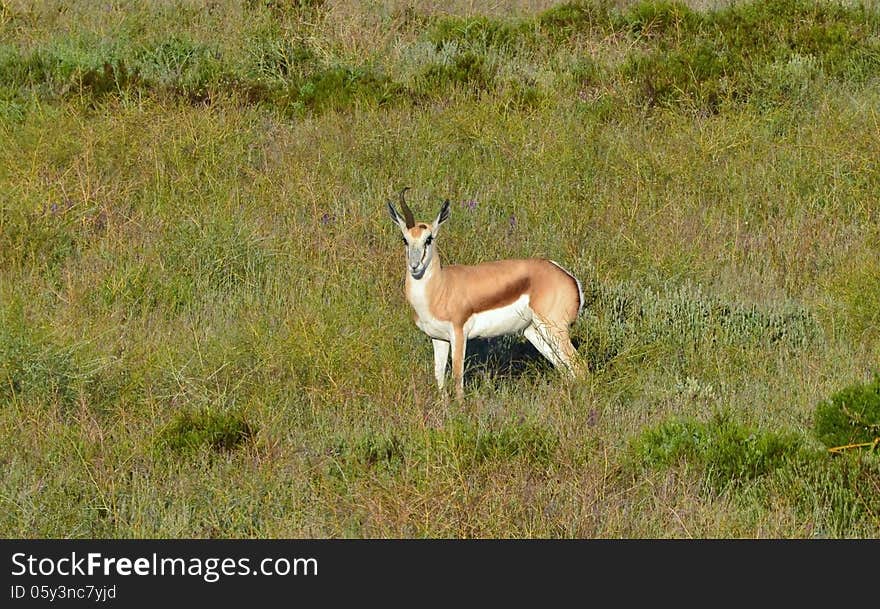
[418, 237]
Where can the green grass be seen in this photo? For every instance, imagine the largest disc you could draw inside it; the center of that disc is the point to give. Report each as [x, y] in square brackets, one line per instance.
[203, 331]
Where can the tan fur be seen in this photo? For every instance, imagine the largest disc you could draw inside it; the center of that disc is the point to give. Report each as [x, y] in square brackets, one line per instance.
[460, 291]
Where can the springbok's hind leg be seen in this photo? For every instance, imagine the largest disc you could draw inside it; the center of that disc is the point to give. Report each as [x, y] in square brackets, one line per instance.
[554, 344]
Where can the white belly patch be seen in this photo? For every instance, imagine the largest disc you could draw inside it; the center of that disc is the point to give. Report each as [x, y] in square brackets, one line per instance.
[508, 319]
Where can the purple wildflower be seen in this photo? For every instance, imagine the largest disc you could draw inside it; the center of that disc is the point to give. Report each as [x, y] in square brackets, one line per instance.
[326, 219]
[512, 222]
[470, 204]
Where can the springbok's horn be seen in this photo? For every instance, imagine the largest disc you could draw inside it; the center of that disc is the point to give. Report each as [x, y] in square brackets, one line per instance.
[407, 212]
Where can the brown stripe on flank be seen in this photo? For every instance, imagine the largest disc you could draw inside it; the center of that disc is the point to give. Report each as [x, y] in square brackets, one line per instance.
[506, 294]
[492, 292]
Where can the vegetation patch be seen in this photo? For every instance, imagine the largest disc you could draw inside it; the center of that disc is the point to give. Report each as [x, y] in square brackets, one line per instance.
[477, 32]
[858, 292]
[622, 318]
[706, 59]
[730, 453]
[373, 450]
[733, 458]
[45, 239]
[203, 326]
[850, 416]
[275, 72]
[339, 87]
[475, 445]
[467, 71]
[676, 57]
[195, 429]
[564, 20]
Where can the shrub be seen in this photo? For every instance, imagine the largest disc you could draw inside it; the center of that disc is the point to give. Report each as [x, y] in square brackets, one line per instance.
[277, 59]
[719, 56]
[837, 494]
[660, 18]
[184, 68]
[850, 416]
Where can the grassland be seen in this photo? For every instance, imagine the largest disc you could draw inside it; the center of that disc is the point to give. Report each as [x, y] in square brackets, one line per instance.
[203, 331]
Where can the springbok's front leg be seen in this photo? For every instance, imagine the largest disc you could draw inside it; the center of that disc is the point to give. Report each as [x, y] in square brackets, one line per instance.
[459, 343]
[441, 356]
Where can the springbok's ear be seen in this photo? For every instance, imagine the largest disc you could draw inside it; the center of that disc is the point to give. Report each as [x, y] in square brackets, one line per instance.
[395, 217]
[443, 216]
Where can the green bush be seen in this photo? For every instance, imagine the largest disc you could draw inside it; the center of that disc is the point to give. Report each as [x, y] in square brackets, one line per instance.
[850, 416]
[192, 430]
[730, 452]
[564, 20]
[339, 87]
[479, 32]
[660, 19]
[678, 57]
[468, 71]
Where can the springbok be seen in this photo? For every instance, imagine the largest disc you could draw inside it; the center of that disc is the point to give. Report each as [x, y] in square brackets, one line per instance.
[455, 303]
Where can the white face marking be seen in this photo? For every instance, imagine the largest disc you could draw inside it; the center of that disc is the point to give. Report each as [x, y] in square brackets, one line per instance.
[508, 319]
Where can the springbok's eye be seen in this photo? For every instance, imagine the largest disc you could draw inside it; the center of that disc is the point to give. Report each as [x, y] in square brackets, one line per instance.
[429, 240]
